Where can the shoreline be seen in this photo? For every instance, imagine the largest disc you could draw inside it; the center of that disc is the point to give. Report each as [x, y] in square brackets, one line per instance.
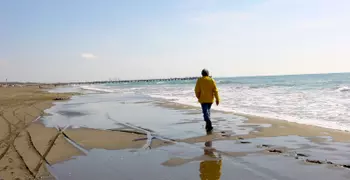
[21, 150]
[181, 105]
[279, 127]
[283, 127]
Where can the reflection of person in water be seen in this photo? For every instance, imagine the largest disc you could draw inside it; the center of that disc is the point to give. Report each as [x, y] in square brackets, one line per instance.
[210, 169]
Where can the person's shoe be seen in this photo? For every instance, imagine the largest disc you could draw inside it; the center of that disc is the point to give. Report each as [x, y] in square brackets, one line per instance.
[210, 130]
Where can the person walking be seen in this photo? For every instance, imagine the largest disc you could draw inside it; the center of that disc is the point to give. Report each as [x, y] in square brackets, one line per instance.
[206, 91]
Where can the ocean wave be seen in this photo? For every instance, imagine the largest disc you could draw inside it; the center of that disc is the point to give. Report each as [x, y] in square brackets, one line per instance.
[344, 89]
[257, 87]
[319, 106]
[304, 100]
[90, 88]
[164, 97]
[274, 115]
[223, 82]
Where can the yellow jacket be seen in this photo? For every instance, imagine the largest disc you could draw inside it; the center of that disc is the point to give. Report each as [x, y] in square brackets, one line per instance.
[206, 90]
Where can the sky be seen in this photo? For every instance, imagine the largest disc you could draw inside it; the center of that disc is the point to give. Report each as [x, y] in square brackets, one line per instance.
[87, 40]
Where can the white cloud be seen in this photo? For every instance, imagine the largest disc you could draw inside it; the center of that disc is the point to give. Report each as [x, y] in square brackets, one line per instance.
[88, 56]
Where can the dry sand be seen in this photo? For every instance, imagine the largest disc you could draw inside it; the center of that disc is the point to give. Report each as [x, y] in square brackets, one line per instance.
[26, 146]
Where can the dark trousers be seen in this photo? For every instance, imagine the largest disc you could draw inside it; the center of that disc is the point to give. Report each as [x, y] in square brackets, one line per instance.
[206, 114]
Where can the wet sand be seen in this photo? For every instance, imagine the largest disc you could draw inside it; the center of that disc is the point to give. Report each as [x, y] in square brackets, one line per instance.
[278, 150]
[276, 127]
[284, 128]
[246, 152]
[221, 159]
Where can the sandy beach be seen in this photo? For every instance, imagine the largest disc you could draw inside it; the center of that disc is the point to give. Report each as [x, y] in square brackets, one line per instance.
[175, 90]
[28, 147]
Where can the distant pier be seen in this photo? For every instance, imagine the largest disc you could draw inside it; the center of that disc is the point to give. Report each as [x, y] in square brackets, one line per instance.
[130, 81]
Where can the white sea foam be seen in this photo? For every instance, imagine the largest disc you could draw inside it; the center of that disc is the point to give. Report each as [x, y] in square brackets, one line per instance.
[344, 89]
[321, 108]
[327, 106]
[92, 88]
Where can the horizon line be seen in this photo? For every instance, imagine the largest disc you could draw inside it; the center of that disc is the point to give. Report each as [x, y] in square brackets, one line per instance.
[272, 75]
[243, 76]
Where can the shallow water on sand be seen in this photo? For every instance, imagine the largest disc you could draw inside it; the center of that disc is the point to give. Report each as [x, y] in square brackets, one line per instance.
[231, 159]
[191, 161]
[107, 111]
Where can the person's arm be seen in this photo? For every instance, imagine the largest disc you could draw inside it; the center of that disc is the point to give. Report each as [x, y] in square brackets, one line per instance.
[216, 93]
[197, 89]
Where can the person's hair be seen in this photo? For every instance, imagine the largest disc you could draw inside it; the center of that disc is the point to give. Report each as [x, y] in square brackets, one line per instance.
[205, 72]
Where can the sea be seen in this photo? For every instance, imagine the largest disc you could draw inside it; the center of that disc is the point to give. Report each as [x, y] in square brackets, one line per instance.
[314, 99]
